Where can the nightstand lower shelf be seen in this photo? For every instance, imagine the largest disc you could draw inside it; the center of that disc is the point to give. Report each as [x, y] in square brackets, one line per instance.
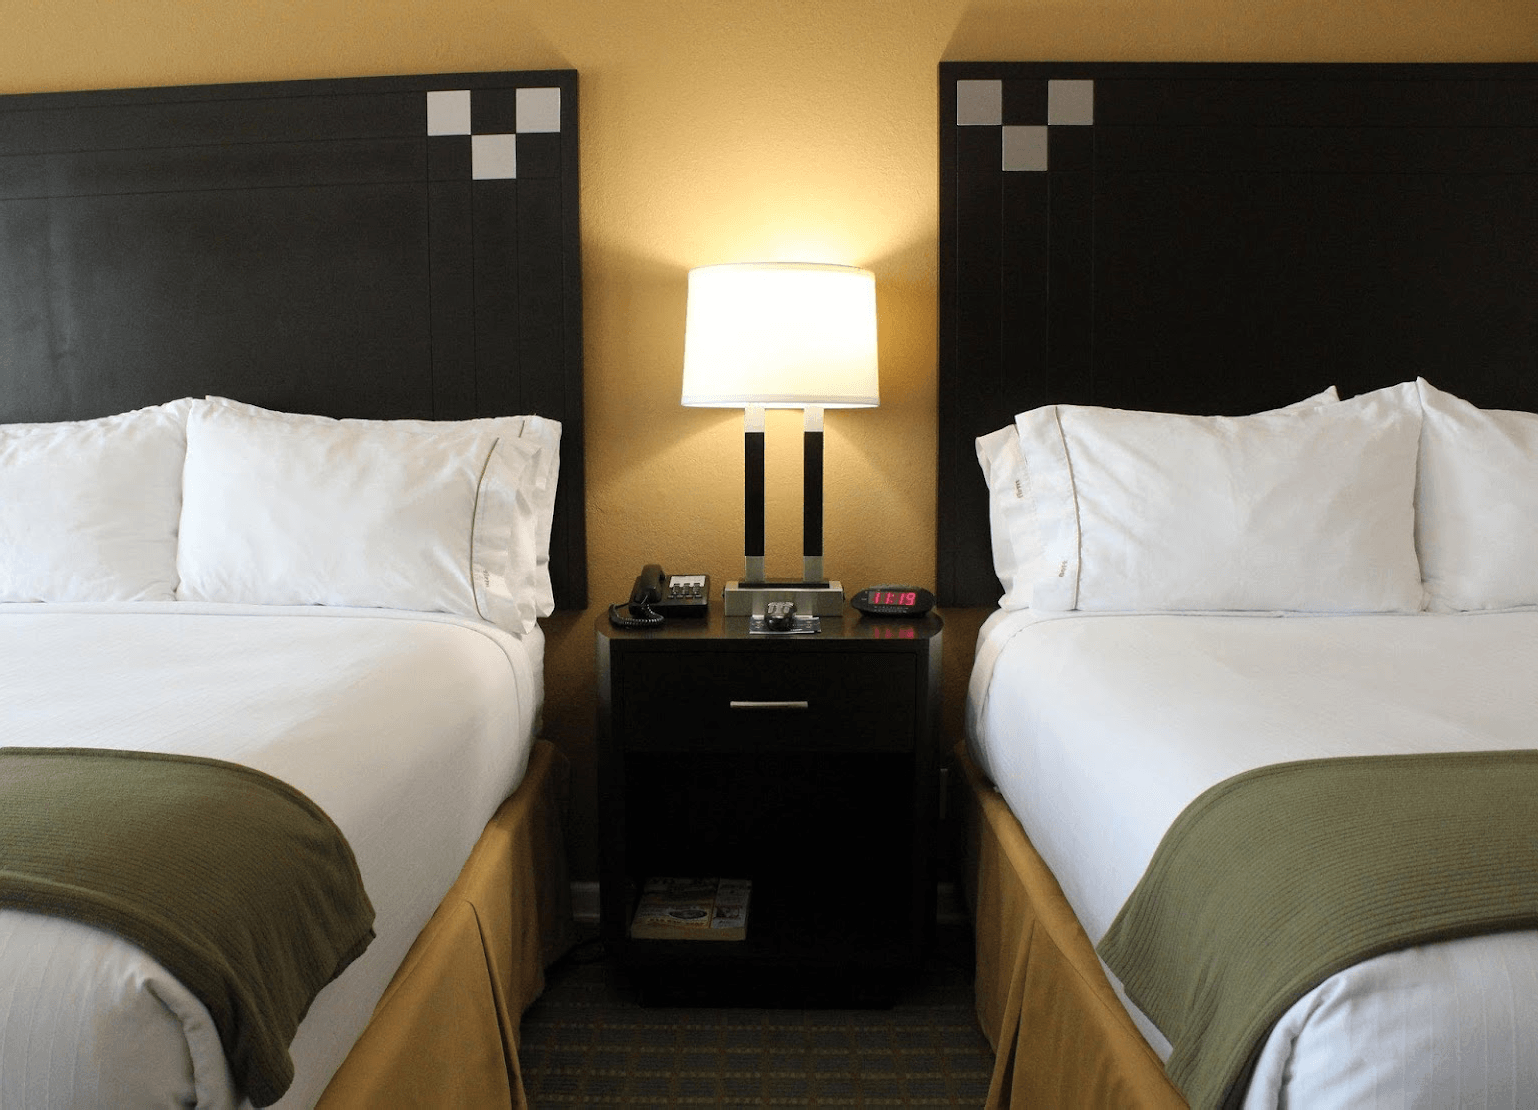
[824, 840]
[790, 957]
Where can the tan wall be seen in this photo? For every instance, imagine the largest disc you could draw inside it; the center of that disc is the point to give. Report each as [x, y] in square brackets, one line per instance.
[718, 131]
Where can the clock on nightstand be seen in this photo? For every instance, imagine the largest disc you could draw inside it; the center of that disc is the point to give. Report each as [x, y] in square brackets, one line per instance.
[893, 601]
[804, 765]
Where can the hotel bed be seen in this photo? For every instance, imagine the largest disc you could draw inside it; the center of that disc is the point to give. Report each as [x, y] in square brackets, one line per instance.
[408, 729]
[1214, 618]
[336, 593]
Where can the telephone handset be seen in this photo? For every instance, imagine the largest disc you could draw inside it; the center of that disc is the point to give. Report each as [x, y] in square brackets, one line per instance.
[648, 588]
[657, 596]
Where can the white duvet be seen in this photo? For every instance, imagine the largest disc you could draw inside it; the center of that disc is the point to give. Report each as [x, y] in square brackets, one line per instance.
[408, 729]
[1098, 730]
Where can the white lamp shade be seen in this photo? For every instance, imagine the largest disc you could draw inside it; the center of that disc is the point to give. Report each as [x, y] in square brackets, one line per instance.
[782, 335]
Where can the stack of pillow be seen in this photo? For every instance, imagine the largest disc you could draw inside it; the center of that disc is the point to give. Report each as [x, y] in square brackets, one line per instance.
[213, 500]
[1397, 501]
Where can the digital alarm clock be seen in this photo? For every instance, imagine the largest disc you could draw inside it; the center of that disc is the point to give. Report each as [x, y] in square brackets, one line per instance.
[894, 601]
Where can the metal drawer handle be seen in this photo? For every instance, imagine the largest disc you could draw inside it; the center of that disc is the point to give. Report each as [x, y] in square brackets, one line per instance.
[771, 705]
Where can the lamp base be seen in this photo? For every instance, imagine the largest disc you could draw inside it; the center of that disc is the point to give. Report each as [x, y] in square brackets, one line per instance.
[816, 599]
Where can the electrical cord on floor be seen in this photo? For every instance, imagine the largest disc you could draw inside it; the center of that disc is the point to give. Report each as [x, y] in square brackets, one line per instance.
[589, 951]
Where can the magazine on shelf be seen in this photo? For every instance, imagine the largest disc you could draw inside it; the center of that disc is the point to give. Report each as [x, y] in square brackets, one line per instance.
[692, 909]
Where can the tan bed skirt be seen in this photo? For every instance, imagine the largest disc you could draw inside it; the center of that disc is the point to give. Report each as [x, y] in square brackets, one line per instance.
[445, 1033]
[1060, 1034]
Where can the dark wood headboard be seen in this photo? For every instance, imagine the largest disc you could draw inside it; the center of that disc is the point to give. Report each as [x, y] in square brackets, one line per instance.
[375, 247]
[1223, 238]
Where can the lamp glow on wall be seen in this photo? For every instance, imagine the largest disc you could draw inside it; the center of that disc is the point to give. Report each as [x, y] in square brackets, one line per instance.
[781, 335]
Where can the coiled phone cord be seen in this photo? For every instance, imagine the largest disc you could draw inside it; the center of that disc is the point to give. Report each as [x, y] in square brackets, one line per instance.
[646, 618]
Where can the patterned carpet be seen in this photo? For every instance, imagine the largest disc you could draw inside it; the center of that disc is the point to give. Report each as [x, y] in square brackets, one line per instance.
[587, 1042]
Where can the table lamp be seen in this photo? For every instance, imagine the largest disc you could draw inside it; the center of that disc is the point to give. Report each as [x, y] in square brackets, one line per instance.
[781, 335]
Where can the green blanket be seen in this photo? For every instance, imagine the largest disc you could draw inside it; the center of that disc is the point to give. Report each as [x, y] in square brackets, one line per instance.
[1276, 879]
[237, 883]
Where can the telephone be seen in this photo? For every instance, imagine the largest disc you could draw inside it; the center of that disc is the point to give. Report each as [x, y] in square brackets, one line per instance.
[657, 596]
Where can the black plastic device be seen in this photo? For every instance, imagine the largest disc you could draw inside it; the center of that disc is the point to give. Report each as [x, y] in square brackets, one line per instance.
[780, 616]
[657, 596]
[893, 601]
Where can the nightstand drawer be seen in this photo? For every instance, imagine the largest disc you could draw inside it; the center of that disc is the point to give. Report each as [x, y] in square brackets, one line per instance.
[737, 700]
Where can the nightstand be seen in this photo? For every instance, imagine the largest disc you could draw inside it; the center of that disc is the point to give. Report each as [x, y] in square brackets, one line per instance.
[803, 763]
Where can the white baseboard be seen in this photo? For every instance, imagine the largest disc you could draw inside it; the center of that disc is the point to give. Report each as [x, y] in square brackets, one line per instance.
[584, 904]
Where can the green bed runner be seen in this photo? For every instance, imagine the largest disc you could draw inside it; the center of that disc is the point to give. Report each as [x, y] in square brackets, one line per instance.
[1274, 880]
[237, 883]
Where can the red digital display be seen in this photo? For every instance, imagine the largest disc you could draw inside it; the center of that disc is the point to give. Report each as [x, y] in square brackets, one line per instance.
[893, 601]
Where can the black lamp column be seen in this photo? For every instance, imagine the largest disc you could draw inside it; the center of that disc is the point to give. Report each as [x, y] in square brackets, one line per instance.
[753, 493]
[811, 496]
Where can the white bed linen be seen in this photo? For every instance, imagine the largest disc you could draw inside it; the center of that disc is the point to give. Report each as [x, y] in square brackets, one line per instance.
[1098, 730]
[408, 729]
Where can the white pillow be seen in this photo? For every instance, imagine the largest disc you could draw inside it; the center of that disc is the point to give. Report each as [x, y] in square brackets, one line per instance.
[539, 480]
[1476, 524]
[547, 434]
[88, 508]
[1310, 510]
[1012, 527]
[1016, 536]
[282, 509]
